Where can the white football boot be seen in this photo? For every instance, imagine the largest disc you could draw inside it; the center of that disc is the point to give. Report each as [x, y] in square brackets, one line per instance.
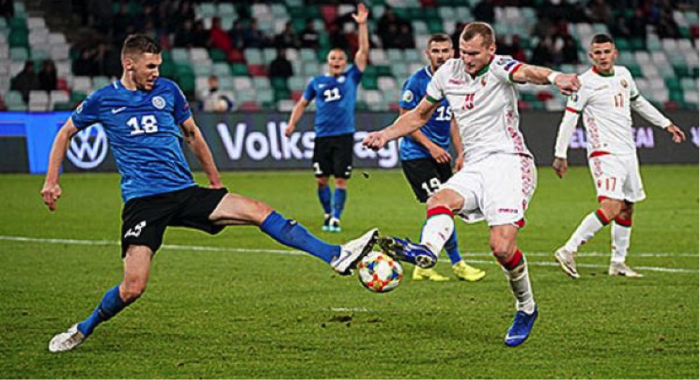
[66, 341]
[621, 269]
[353, 251]
[565, 258]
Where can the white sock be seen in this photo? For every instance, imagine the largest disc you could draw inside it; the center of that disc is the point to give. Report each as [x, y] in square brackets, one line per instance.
[436, 231]
[585, 231]
[620, 242]
[519, 279]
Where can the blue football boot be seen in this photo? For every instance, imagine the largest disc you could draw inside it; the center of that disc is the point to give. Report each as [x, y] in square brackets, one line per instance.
[521, 328]
[404, 250]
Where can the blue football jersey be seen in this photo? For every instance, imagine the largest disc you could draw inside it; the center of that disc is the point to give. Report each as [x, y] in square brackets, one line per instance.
[142, 128]
[437, 129]
[335, 102]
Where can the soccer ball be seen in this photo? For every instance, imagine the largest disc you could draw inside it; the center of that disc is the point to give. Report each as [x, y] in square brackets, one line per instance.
[379, 272]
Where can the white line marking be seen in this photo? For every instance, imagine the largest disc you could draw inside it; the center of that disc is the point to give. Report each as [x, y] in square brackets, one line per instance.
[25, 239]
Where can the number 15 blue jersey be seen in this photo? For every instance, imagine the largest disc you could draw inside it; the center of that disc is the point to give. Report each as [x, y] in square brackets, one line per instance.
[142, 128]
[436, 130]
[335, 102]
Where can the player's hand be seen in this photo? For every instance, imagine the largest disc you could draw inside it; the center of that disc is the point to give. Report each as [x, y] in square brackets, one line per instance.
[567, 83]
[375, 140]
[459, 163]
[50, 193]
[440, 155]
[216, 184]
[361, 15]
[676, 133]
[560, 165]
[288, 131]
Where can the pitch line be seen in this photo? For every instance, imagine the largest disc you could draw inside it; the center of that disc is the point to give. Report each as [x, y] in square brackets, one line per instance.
[25, 239]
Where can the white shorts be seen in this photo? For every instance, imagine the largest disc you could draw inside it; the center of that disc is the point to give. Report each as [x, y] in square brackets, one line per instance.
[497, 188]
[617, 177]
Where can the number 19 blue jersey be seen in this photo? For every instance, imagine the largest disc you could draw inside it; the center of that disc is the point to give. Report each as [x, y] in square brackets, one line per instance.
[335, 102]
[437, 129]
[142, 128]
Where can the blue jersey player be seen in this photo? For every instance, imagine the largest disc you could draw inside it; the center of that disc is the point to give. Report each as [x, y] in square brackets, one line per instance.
[146, 119]
[335, 94]
[424, 154]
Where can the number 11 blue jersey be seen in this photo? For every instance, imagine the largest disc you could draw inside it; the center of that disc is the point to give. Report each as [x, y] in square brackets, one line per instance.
[335, 102]
[143, 131]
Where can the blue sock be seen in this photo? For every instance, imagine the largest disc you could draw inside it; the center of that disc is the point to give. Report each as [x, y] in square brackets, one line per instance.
[324, 196]
[339, 202]
[452, 248]
[293, 234]
[110, 305]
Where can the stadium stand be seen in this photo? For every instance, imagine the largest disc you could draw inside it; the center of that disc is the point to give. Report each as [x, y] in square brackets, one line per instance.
[658, 41]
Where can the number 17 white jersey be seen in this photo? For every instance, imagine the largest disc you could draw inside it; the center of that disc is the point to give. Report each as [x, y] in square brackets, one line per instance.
[485, 106]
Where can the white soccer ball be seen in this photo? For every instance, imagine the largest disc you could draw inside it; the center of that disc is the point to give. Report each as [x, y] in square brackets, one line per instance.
[379, 272]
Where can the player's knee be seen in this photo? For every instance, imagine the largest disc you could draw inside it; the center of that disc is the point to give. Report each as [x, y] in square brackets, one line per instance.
[133, 289]
[322, 181]
[259, 211]
[341, 183]
[445, 198]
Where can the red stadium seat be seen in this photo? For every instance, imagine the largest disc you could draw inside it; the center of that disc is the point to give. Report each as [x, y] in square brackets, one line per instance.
[236, 56]
[249, 106]
[296, 95]
[329, 12]
[257, 70]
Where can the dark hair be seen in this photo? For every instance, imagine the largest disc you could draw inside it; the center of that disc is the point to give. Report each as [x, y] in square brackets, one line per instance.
[601, 39]
[139, 44]
[439, 37]
[477, 28]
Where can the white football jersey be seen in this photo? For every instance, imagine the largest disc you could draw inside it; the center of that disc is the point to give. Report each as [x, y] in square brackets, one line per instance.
[485, 106]
[604, 100]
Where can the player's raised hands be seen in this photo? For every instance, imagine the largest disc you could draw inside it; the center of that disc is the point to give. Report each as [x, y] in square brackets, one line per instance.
[361, 15]
[567, 83]
[375, 140]
[560, 165]
[50, 193]
[676, 133]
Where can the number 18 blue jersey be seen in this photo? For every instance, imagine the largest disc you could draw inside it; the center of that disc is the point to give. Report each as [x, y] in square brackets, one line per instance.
[437, 129]
[335, 102]
[142, 128]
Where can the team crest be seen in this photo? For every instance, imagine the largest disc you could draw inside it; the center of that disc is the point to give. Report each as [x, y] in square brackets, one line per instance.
[483, 81]
[624, 83]
[407, 96]
[80, 108]
[158, 102]
[341, 79]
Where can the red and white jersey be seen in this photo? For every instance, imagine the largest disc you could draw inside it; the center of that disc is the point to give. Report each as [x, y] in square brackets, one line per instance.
[604, 100]
[485, 106]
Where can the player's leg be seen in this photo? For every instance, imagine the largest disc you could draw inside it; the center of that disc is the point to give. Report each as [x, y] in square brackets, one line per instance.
[503, 241]
[342, 170]
[607, 176]
[137, 264]
[325, 198]
[621, 230]
[234, 209]
[322, 170]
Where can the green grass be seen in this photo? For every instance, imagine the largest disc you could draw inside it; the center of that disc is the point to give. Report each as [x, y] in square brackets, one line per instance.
[257, 314]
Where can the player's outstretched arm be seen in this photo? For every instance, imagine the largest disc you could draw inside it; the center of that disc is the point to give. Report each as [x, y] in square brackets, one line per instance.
[51, 190]
[567, 83]
[297, 111]
[654, 116]
[195, 140]
[404, 125]
[362, 55]
[440, 155]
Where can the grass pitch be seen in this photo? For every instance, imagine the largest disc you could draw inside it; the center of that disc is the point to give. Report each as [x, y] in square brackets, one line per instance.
[238, 305]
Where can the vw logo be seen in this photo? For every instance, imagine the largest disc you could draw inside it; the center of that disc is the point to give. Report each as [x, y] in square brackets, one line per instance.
[88, 148]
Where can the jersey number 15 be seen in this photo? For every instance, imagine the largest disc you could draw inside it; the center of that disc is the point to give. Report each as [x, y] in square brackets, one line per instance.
[148, 125]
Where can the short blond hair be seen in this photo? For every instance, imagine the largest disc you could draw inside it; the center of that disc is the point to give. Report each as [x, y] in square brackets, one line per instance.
[478, 28]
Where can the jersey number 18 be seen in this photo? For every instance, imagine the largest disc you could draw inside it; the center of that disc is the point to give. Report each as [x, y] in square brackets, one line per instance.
[148, 125]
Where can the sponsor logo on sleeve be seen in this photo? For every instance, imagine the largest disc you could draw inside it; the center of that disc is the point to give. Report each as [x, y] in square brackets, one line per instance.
[407, 96]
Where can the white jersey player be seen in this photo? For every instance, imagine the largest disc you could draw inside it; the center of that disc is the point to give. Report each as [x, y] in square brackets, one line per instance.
[498, 177]
[605, 98]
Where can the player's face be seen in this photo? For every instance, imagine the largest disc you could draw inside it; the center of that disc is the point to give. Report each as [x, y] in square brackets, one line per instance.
[144, 70]
[603, 56]
[337, 61]
[475, 53]
[438, 53]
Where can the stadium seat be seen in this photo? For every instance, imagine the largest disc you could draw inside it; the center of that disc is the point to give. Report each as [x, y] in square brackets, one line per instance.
[38, 101]
[239, 69]
[58, 96]
[217, 55]
[14, 101]
[257, 70]
[221, 69]
[19, 54]
[82, 84]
